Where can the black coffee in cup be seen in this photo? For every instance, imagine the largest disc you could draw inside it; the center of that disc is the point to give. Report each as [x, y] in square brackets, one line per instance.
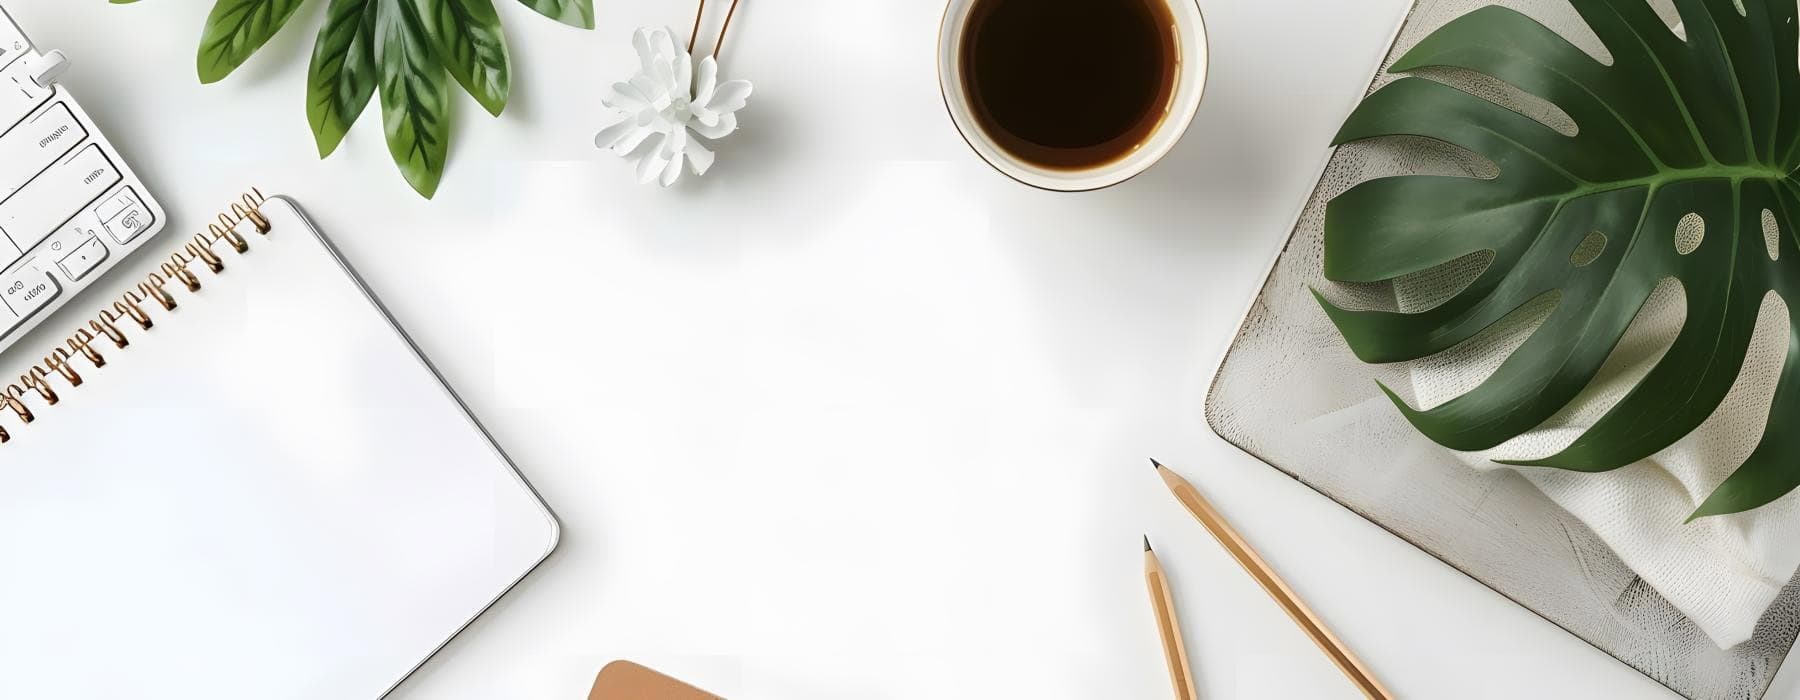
[1070, 84]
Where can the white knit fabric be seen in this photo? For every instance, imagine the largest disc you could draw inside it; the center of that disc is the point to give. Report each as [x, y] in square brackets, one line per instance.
[1722, 572]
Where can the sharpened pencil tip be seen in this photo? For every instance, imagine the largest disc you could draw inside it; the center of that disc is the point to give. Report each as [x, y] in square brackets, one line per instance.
[1146, 543]
[1155, 464]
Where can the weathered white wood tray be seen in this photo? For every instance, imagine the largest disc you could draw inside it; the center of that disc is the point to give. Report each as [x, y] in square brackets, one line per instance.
[1290, 393]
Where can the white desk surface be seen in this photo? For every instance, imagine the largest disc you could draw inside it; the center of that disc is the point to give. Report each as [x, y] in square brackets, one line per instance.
[855, 416]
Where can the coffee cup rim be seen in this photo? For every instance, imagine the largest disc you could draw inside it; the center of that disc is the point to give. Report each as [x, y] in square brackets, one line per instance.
[1190, 87]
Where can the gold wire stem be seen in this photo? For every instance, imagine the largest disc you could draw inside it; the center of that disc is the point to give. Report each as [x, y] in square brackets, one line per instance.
[720, 44]
[698, 13]
[723, 30]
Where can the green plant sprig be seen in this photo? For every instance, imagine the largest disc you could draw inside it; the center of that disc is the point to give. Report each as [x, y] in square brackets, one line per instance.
[408, 50]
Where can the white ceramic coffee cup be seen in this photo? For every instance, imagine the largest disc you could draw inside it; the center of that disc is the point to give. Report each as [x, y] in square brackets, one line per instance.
[1190, 82]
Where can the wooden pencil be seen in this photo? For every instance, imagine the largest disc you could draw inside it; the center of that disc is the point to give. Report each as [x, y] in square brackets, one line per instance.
[1278, 589]
[1162, 600]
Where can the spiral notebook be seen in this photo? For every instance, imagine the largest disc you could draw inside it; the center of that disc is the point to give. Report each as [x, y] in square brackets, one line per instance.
[242, 480]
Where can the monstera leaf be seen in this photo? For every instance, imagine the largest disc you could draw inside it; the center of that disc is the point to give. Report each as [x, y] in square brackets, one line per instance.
[1708, 125]
[408, 50]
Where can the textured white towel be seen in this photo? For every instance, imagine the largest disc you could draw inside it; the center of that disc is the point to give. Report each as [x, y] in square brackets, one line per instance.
[1723, 572]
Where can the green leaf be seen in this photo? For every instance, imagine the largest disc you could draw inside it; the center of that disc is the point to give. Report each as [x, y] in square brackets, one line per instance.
[343, 74]
[1707, 126]
[415, 96]
[235, 30]
[575, 13]
[466, 36]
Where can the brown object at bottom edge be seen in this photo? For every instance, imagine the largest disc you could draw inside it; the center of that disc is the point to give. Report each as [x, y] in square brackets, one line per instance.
[624, 680]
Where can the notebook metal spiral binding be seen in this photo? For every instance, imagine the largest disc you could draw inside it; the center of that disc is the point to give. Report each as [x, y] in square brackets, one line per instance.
[130, 306]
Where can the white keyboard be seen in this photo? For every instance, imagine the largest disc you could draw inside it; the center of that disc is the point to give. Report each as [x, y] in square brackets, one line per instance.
[70, 208]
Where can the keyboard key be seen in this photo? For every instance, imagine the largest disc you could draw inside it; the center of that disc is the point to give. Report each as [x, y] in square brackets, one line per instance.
[129, 225]
[55, 196]
[116, 204]
[12, 41]
[86, 257]
[19, 96]
[26, 292]
[82, 227]
[31, 147]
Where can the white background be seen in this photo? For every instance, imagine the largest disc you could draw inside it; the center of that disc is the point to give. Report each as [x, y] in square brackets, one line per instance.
[854, 416]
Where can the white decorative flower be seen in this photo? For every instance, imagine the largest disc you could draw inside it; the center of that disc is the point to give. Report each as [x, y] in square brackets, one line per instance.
[666, 99]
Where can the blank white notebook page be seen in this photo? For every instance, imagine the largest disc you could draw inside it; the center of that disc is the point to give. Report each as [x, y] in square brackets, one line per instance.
[268, 495]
